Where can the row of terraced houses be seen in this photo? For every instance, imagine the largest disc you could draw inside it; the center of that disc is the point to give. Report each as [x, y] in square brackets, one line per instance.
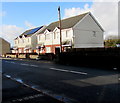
[81, 31]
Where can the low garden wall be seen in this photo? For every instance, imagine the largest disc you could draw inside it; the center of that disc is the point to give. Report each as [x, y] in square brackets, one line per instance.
[100, 57]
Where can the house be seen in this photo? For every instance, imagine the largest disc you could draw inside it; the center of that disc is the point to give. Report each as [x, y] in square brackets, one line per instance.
[26, 42]
[4, 47]
[82, 31]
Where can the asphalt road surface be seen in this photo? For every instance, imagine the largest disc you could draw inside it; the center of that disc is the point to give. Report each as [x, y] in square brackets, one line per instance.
[46, 80]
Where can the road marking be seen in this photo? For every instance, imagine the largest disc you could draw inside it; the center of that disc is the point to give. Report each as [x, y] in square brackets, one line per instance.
[34, 65]
[28, 98]
[24, 64]
[63, 70]
[10, 62]
[29, 65]
[13, 62]
[8, 76]
[42, 93]
[59, 69]
[76, 72]
[7, 61]
[18, 80]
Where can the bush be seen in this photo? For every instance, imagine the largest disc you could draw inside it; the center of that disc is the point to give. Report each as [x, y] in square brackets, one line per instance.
[112, 42]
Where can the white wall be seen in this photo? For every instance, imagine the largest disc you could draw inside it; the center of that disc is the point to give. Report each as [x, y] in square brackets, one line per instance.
[51, 39]
[25, 41]
[87, 34]
[33, 42]
[20, 44]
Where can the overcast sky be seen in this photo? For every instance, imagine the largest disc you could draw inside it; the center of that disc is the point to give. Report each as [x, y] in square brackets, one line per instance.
[16, 17]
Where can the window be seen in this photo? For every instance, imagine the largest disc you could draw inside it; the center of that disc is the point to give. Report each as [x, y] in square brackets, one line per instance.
[47, 36]
[66, 33]
[48, 49]
[39, 37]
[54, 35]
[28, 39]
[94, 33]
[57, 35]
[23, 40]
[15, 42]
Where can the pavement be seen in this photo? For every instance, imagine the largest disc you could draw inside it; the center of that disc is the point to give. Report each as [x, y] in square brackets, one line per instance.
[59, 82]
[15, 92]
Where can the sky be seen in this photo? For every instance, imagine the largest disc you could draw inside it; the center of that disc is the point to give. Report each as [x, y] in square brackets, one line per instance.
[16, 17]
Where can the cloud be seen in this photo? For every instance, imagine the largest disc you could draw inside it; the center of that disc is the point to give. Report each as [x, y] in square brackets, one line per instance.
[2, 13]
[29, 25]
[76, 11]
[10, 32]
[106, 14]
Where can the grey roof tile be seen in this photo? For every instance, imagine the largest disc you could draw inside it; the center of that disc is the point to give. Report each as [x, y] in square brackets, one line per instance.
[65, 23]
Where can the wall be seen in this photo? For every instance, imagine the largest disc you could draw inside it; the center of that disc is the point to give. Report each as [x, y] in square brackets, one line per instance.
[51, 41]
[4, 47]
[33, 42]
[88, 34]
[20, 44]
[100, 57]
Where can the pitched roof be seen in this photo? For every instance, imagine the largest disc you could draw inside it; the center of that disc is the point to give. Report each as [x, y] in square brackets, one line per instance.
[24, 33]
[30, 32]
[65, 23]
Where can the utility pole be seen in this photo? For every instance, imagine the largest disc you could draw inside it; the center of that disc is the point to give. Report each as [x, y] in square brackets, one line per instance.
[60, 29]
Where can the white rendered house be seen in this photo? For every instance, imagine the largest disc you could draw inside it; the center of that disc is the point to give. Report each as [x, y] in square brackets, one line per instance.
[82, 31]
[27, 41]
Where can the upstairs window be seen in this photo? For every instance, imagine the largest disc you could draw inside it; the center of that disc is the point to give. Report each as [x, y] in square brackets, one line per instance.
[67, 33]
[57, 35]
[47, 36]
[23, 40]
[54, 35]
[15, 42]
[28, 39]
[94, 33]
[39, 37]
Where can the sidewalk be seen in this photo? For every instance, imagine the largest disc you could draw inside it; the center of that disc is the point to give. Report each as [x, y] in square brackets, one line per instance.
[13, 92]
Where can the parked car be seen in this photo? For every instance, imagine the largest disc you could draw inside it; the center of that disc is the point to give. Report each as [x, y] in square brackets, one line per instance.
[8, 57]
[38, 58]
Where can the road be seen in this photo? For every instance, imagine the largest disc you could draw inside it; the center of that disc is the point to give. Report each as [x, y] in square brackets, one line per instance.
[66, 83]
